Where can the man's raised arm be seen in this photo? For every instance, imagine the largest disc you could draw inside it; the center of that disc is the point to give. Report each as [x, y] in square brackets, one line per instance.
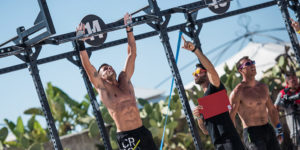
[212, 74]
[129, 65]
[88, 67]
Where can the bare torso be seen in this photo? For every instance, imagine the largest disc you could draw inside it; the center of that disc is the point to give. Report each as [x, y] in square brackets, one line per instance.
[121, 103]
[253, 108]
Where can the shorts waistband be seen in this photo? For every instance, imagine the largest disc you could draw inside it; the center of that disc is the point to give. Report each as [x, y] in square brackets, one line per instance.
[267, 125]
[132, 131]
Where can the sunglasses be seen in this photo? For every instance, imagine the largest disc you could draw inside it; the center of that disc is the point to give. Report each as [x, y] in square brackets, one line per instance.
[198, 71]
[248, 63]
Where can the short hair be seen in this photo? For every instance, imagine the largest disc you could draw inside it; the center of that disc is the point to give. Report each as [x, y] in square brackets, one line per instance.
[104, 64]
[200, 66]
[238, 64]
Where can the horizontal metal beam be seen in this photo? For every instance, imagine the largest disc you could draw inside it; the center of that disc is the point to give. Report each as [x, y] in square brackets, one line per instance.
[68, 37]
[11, 50]
[136, 21]
[43, 21]
[239, 11]
[139, 37]
[119, 24]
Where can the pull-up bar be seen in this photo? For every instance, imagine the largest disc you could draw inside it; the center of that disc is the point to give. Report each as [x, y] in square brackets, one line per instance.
[124, 40]
[7, 51]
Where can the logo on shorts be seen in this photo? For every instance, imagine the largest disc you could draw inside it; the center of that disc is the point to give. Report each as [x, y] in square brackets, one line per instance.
[130, 144]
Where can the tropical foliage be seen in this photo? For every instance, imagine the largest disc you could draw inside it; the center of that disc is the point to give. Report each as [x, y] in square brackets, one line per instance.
[71, 115]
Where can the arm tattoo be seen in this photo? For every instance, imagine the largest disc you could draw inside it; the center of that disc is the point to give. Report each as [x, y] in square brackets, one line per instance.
[101, 88]
[95, 74]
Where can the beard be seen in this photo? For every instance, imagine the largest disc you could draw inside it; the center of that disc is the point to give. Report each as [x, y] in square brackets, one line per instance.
[251, 75]
[252, 72]
[110, 75]
[200, 81]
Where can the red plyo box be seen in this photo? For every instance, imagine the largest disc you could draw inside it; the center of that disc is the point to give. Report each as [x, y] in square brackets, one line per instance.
[214, 104]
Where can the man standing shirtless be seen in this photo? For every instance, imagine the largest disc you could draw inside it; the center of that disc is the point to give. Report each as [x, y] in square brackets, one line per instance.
[251, 100]
[118, 95]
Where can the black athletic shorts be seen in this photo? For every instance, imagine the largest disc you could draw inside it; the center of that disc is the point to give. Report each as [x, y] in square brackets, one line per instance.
[261, 138]
[223, 133]
[137, 139]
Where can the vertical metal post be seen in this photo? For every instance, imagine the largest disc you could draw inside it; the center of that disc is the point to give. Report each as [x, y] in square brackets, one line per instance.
[33, 69]
[192, 32]
[163, 34]
[95, 105]
[282, 4]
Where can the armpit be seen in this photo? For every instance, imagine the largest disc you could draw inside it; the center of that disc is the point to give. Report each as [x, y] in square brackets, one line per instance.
[95, 74]
[129, 82]
[122, 75]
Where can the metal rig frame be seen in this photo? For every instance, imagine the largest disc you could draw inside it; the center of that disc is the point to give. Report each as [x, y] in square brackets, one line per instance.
[155, 18]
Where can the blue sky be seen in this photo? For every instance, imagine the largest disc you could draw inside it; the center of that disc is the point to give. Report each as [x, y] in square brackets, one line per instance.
[17, 89]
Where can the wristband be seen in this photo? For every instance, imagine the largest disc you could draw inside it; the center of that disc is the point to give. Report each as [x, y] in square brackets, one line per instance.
[278, 130]
[79, 45]
[79, 33]
[298, 31]
[131, 29]
[194, 49]
[198, 118]
[278, 125]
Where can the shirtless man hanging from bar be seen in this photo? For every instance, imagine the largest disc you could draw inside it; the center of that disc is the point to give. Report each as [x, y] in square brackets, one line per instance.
[118, 95]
